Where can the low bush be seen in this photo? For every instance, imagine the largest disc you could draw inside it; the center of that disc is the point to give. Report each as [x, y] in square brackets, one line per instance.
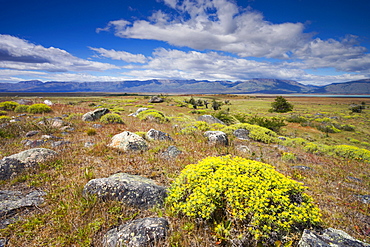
[3, 113]
[8, 105]
[256, 132]
[111, 118]
[4, 119]
[21, 108]
[273, 123]
[39, 108]
[251, 197]
[152, 115]
[225, 117]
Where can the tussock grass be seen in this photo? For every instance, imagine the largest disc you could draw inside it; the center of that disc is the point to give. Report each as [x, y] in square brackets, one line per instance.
[68, 219]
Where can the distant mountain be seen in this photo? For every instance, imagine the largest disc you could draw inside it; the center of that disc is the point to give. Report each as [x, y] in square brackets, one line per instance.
[258, 85]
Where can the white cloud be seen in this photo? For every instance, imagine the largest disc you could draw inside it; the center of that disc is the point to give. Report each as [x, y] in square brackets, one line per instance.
[217, 25]
[120, 55]
[19, 54]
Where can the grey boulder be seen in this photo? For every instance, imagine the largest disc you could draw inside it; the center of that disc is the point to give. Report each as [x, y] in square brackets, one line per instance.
[158, 135]
[329, 238]
[128, 141]
[95, 115]
[141, 232]
[132, 190]
[217, 138]
[210, 119]
[34, 155]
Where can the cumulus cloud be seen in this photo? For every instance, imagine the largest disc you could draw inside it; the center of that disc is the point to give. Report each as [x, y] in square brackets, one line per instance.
[19, 54]
[217, 25]
[120, 55]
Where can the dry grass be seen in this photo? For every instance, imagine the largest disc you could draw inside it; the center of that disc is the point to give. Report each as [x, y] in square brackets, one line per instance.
[68, 219]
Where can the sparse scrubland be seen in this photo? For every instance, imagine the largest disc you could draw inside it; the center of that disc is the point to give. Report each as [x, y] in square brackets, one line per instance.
[306, 168]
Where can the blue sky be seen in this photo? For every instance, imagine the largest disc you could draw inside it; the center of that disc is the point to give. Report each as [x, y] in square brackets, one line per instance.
[310, 41]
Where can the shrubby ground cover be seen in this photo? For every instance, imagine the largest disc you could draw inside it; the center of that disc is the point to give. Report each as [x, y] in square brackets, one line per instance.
[338, 171]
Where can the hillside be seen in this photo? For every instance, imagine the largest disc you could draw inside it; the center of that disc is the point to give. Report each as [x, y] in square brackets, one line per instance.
[265, 86]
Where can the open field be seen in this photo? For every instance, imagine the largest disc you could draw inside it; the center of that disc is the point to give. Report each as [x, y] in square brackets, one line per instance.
[335, 180]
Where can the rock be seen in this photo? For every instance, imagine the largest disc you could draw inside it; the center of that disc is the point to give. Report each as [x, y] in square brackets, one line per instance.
[140, 232]
[95, 115]
[158, 135]
[364, 198]
[10, 167]
[171, 153]
[217, 138]
[241, 134]
[282, 138]
[48, 102]
[32, 133]
[210, 119]
[137, 112]
[89, 144]
[156, 99]
[33, 144]
[13, 201]
[128, 141]
[60, 143]
[243, 148]
[329, 238]
[130, 189]
[34, 155]
[303, 168]
[97, 126]
[24, 102]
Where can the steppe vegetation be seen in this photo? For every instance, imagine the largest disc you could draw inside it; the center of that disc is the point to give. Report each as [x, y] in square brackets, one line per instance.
[321, 143]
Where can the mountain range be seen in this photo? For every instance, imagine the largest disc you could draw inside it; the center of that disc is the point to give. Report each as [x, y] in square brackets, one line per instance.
[262, 86]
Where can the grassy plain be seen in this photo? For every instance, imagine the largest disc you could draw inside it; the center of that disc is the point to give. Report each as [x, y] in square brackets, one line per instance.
[68, 219]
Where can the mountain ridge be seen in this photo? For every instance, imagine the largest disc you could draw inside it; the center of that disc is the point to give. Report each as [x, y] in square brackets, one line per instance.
[252, 86]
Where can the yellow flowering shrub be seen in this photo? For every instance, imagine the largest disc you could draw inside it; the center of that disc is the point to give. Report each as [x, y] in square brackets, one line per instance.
[252, 195]
[256, 132]
[152, 115]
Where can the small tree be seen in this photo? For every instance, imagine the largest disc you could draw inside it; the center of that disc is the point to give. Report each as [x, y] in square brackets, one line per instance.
[281, 105]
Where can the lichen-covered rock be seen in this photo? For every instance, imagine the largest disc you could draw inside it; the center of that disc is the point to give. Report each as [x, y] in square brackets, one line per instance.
[34, 155]
[137, 112]
[12, 202]
[329, 238]
[128, 141]
[95, 115]
[171, 153]
[141, 232]
[210, 119]
[158, 135]
[130, 189]
[217, 138]
[10, 168]
[156, 99]
[241, 134]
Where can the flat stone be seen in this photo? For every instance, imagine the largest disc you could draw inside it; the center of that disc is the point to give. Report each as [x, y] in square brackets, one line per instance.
[95, 115]
[210, 119]
[153, 134]
[34, 155]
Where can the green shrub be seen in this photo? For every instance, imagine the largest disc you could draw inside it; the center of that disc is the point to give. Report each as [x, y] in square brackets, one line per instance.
[4, 119]
[3, 113]
[225, 117]
[256, 132]
[281, 105]
[111, 118]
[246, 195]
[288, 157]
[152, 115]
[8, 105]
[198, 112]
[273, 123]
[39, 108]
[91, 132]
[296, 119]
[21, 108]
